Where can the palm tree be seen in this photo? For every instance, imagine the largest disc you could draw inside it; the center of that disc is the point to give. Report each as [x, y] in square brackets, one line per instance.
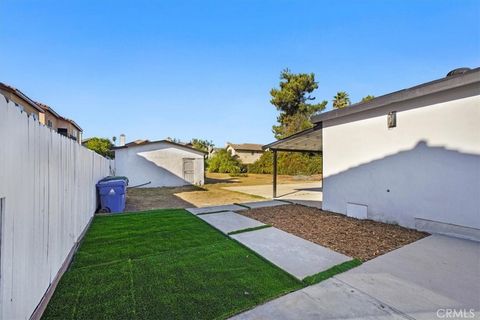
[341, 100]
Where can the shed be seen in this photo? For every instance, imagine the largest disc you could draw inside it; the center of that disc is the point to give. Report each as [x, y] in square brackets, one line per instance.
[160, 163]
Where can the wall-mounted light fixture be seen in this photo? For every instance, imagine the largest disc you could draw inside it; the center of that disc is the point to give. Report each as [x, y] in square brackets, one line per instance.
[392, 119]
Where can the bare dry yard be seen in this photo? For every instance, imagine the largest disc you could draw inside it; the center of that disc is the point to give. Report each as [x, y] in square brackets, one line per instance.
[140, 199]
[209, 194]
[362, 239]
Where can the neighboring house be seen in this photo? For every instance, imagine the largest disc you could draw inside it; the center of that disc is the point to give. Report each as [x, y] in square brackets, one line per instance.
[62, 125]
[410, 157]
[21, 100]
[49, 117]
[247, 153]
[69, 128]
[212, 152]
[159, 163]
[45, 114]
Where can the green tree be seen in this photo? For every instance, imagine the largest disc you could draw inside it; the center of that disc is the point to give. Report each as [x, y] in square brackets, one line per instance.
[290, 163]
[367, 98]
[341, 100]
[202, 145]
[174, 140]
[102, 146]
[222, 161]
[293, 100]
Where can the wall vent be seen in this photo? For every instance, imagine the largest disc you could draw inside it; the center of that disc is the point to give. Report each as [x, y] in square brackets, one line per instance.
[355, 210]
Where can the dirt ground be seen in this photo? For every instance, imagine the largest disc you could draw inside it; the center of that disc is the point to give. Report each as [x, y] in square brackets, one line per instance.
[362, 239]
[140, 199]
[209, 194]
[214, 194]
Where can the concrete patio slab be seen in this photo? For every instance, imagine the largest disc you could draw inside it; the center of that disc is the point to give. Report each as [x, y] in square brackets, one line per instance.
[229, 221]
[299, 257]
[330, 299]
[263, 204]
[228, 207]
[292, 191]
[413, 282]
[418, 279]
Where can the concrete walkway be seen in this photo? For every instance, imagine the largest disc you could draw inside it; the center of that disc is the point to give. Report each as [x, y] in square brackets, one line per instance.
[229, 221]
[311, 191]
[297, 256]
[228, 207]
[413, 282]
[263, 204]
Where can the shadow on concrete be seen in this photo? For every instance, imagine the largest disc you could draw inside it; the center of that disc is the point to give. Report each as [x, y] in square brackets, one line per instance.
[219, 181]
[297, 190]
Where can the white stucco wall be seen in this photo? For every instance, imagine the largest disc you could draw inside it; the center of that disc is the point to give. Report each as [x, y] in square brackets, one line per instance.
[428, 167]
[160, 163]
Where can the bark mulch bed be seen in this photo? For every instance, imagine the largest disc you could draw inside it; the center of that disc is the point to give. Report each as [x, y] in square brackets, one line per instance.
[362, 239]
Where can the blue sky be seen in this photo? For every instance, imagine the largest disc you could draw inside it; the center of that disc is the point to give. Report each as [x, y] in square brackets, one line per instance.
[185, 69]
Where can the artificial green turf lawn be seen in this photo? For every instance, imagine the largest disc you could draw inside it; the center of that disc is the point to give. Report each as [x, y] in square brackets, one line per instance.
[164, 264]
[324, 275]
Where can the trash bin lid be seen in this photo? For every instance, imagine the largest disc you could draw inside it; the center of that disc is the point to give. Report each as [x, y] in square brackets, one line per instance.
[114, 178]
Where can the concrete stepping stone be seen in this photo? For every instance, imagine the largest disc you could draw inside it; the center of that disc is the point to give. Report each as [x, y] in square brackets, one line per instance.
[297, 256]
[229, 221]
[228, 207]
[307, 203]
[263, 204]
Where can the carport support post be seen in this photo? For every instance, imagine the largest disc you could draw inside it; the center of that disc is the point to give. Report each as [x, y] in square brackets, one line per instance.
[274, 174]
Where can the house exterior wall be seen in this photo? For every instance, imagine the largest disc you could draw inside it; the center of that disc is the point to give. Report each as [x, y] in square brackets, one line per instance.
[47, 117]
[159, 163]
[423, 173]
[246, 157]
[71, 129]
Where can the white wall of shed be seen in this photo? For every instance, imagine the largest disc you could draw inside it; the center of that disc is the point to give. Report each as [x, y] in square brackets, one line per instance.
[159, 163]
[428, 167]
[47, 182]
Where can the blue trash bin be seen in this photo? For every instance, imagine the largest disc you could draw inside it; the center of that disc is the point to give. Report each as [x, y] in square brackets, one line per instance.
[112, 192]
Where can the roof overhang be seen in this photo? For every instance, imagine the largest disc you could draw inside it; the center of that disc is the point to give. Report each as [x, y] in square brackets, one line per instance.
[147, 142]
[73, 123]
[448, 83]
[47, 108]
[21, 95]
[309, 140]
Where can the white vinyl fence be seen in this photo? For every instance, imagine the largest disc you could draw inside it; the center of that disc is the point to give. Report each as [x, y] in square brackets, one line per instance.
[47, 198]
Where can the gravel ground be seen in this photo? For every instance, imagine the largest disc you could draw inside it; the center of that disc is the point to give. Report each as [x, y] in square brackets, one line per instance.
[362, 239]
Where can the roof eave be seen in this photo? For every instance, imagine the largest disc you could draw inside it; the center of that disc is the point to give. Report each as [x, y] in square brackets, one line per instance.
[276, 145]
[432, 87]
[23, 96]
[160, 141]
